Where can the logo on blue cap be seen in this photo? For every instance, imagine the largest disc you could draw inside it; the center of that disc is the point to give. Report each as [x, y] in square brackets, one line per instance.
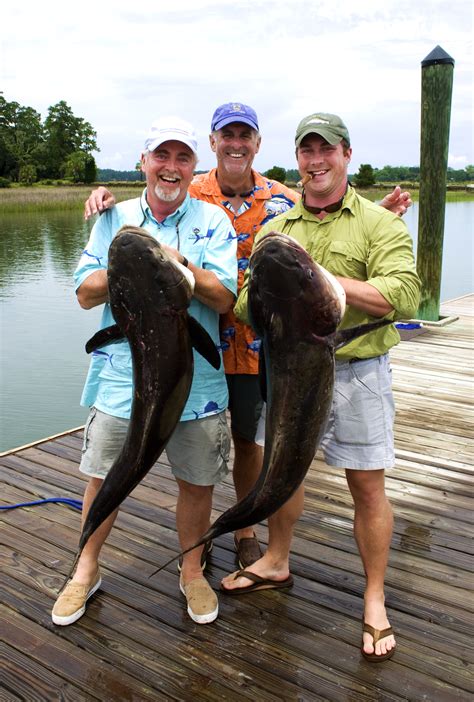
[234, 112]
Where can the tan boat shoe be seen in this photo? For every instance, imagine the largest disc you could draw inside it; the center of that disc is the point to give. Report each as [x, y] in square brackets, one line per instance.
[205, 552]
[203, 606]
[71, 603]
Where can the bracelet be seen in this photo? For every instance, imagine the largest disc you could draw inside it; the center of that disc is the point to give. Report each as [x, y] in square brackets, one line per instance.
[185, 261]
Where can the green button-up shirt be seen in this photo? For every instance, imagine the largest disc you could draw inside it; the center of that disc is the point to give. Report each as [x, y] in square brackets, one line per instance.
[361, 241]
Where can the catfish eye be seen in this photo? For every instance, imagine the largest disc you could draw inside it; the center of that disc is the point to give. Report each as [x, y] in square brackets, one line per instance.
[309, 273]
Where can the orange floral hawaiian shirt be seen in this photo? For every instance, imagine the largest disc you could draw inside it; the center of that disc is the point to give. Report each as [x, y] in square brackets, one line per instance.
[269, 198]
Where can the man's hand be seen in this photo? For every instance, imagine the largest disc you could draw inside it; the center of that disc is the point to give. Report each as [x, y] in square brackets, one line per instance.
[397, 202]
[99, 200]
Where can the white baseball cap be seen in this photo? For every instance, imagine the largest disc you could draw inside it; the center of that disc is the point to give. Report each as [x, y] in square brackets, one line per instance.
[171, 129]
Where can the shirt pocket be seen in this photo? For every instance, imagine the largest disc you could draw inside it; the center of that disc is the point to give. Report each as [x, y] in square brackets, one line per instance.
[347, 260]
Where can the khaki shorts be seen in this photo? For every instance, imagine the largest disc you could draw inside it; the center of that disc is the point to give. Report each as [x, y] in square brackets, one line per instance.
[198, 450]
[359, 431]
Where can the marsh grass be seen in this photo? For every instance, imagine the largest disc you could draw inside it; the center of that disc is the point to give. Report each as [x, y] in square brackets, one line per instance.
[451, 195]
[72, 197]
[44, 198]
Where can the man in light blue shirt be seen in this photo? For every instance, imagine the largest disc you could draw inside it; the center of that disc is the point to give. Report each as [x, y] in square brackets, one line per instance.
[199, 236]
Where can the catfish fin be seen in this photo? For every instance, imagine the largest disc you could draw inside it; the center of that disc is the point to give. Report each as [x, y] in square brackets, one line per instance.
[105, 336]
[344, 336]
[203, 343]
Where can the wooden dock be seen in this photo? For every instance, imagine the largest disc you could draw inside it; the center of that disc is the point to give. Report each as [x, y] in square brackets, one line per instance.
[136, 641]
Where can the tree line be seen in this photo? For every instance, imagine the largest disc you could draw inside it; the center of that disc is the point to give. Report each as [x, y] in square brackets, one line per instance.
[367, 175]
[60, 147]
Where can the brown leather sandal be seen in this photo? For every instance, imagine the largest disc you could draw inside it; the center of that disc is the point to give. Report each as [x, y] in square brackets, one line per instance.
[248, 550]
[376, 635]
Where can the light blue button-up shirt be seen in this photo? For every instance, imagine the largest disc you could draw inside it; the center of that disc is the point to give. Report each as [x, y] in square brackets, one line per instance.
[203, 234]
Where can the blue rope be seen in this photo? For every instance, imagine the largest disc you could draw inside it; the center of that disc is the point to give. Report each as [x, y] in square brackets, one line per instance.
[77, 504]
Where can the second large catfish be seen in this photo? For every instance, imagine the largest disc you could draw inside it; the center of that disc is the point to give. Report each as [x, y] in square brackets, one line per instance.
[295, 306]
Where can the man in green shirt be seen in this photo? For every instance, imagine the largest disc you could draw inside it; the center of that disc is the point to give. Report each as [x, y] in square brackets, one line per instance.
[370, 252]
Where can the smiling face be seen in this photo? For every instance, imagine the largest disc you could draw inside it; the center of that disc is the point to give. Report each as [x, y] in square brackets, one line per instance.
[327, 166]
[235, 146]
[169, 170]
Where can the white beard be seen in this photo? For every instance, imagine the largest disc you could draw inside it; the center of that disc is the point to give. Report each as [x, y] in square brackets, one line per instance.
[166, 195]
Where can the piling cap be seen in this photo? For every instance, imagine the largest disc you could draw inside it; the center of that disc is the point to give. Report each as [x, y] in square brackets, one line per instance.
[438, 55]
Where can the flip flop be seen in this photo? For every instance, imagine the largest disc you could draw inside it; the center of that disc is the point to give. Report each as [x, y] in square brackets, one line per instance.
[376, 635]
[258, 583]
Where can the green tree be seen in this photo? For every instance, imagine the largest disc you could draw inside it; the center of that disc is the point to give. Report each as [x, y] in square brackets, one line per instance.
[276, 173]
[365, 177]
[65, 135]
[90, 171]
[21, 137]
[79, 167]
[470, 173]
[27, 174]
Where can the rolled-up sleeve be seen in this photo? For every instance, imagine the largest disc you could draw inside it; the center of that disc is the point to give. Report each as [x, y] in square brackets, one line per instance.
[95, 255]
[391, 267]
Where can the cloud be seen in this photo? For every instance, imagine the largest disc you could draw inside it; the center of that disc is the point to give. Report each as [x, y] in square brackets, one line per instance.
[119, 67]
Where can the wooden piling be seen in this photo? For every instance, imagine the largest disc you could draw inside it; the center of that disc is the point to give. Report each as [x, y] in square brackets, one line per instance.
[436, 90]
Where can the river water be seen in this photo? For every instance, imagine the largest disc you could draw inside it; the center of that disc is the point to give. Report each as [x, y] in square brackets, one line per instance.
[43, 330]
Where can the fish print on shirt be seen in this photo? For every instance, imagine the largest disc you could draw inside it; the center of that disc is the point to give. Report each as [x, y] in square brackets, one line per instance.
[96, 258]
[276, 206]
[254, 346]
[107, 356]
[211, 406]
[200, 237]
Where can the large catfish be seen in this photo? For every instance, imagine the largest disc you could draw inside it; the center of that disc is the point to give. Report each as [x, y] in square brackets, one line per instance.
[295, 307]
[149, 294]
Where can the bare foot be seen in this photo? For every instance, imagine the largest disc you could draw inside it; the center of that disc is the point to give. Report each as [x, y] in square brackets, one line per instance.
[376, 615]
[263, 567]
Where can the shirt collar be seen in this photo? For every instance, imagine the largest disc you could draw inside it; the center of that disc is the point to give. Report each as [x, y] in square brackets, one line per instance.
[172, 218]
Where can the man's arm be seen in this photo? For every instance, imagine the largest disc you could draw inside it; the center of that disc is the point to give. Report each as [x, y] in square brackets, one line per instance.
[208, 288]
[365, 297]
[94, 290]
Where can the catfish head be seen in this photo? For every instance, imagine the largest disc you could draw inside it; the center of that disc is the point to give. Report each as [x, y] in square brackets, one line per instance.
[142, 275]
[288, 288]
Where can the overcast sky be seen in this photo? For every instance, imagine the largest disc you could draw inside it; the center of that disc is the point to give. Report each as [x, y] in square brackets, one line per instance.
[122, 64]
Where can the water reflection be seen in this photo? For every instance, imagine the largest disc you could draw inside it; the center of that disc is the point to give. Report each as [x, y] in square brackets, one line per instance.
[43, 329]
[29, 241]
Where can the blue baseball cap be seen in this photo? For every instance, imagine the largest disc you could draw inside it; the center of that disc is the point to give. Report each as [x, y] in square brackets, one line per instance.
[233, 112]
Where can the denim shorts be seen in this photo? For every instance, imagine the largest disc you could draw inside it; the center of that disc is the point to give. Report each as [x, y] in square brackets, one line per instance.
[359, 431]
[198, 450]
[245, 404]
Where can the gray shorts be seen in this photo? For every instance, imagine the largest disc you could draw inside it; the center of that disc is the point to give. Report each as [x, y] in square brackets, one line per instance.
[245, 404]
[359, 432]
[198, 450]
